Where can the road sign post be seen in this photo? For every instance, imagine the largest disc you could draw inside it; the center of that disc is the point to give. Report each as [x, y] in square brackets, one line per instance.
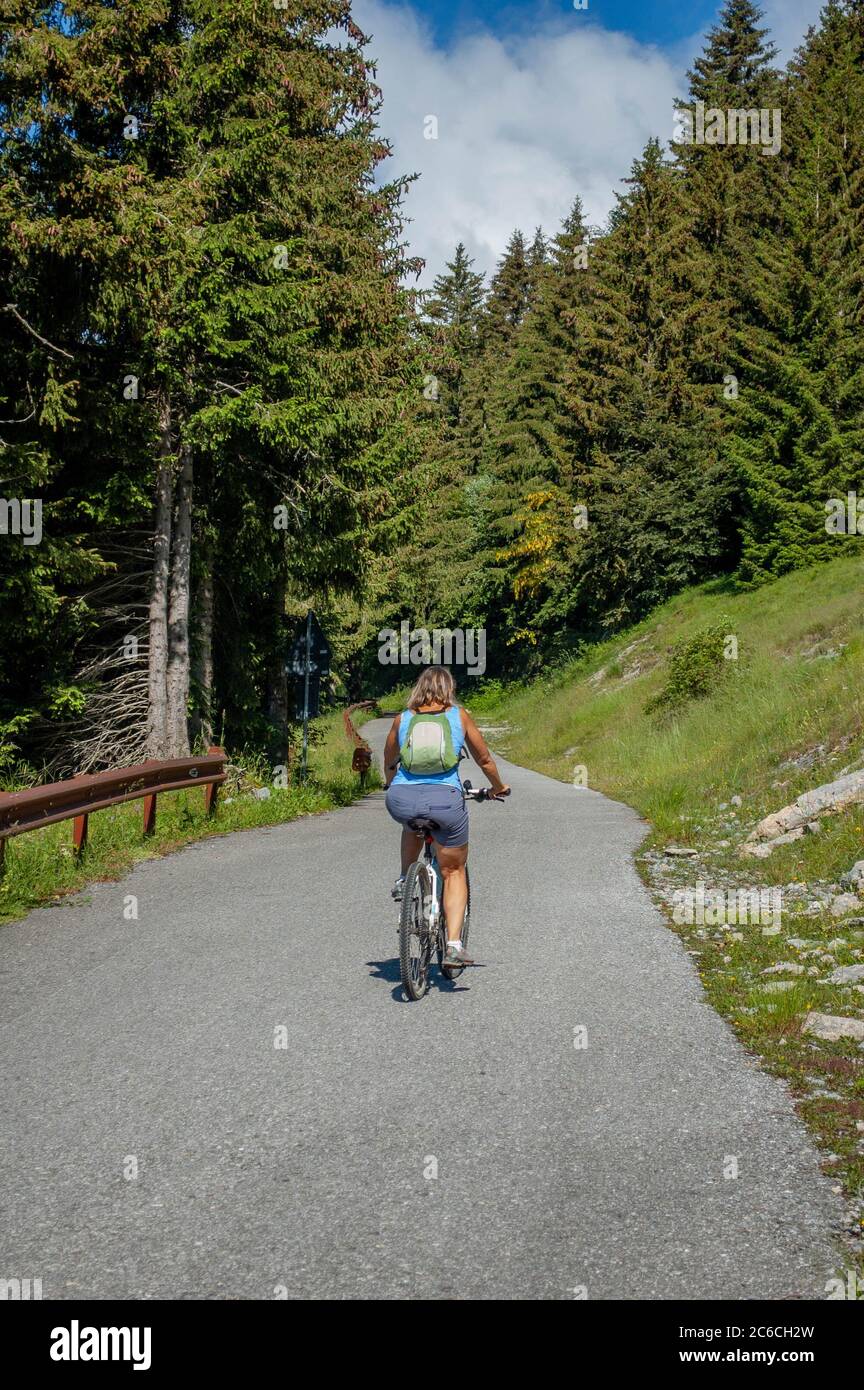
[309, 663]
[306, 664]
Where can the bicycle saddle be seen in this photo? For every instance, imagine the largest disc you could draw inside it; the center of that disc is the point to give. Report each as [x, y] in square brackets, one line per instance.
[421, 824]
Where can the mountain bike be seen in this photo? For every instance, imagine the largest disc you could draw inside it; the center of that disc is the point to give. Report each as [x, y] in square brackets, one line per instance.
[422, 927]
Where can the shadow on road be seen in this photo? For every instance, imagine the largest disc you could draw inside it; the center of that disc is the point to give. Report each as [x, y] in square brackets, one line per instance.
[388, 970]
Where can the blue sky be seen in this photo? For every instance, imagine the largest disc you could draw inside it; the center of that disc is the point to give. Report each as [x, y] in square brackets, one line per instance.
[650, 21]
[508, 111]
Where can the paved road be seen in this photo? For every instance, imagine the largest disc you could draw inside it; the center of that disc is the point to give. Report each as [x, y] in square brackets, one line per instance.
[308, 1166]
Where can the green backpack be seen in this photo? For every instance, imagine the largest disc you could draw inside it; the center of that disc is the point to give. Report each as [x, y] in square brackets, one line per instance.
[428, 747]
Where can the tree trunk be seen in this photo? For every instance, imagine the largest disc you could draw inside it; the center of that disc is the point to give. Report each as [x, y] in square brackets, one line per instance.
[157, 655]
[177, 680]
[202, 665]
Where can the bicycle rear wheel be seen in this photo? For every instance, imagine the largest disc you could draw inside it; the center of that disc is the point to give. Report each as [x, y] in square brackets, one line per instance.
[415, 944]
[466, 926]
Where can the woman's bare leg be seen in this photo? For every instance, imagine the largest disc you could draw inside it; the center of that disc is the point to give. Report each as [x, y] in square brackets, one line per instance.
[411, 847]
[452, 864]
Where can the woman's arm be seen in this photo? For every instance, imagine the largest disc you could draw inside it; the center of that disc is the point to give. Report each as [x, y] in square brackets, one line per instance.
[391, 752]
[481, 755]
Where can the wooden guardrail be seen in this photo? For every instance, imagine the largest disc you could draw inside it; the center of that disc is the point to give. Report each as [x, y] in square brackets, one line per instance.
[76, 798]
[362, 759]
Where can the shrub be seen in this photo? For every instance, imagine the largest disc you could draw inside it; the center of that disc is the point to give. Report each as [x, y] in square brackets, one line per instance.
[696, 665]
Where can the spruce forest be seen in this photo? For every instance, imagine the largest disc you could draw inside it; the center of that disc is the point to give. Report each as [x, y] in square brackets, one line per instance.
[222, 384]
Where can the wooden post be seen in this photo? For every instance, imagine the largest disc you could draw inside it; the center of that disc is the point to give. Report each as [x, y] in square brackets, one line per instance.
[150, 814]
[211, 791]
[362, 761]
[80, 827]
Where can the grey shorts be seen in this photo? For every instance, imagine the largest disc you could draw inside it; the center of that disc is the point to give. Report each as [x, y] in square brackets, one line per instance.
[436, 801]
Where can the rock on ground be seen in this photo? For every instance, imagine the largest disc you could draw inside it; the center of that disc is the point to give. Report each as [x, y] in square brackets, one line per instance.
[847, 975]
[827, 799]
[833, 1027]
[855, 877]
[843, 903]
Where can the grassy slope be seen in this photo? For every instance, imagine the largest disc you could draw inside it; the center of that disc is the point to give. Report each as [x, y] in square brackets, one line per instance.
[41, 867]
[795, 692]
[772, 703]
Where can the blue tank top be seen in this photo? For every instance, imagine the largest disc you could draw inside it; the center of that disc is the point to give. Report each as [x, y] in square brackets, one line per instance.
[447, 779]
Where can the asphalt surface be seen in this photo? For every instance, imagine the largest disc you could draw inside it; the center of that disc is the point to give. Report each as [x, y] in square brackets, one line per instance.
[457, 1148]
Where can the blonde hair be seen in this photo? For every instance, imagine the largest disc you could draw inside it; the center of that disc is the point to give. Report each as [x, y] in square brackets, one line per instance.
[435, 686]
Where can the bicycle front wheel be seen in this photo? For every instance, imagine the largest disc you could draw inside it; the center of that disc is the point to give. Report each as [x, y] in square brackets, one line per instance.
[415, 943]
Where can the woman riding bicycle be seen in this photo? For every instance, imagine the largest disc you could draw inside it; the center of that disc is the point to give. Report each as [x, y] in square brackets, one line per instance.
[436, 743]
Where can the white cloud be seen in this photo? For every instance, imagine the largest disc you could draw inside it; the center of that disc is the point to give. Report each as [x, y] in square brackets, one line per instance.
[789, 21]
[524, 122]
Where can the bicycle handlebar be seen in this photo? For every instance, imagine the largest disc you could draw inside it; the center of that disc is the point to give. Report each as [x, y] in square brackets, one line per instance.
[481, 793]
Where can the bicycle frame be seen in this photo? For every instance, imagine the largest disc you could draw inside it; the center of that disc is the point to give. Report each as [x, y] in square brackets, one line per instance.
[431, 858]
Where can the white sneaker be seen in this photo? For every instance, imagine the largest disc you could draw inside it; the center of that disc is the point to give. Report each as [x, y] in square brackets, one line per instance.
[396, 890]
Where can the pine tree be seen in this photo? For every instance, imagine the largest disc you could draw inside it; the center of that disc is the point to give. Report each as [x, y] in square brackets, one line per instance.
[735, 59]
[645, 434]
[454, 310]
[730, 191]
[538, 253]
[507, 303]
[447, 544]
[509, 296]
[235, 259]
[798, 428]
[457, 297]
[90, 252]
[530, 501]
